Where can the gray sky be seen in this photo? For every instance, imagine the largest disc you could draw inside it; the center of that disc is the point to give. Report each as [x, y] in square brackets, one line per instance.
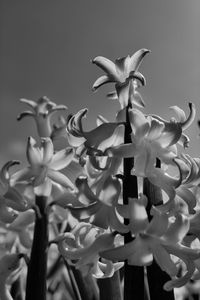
[46, 47]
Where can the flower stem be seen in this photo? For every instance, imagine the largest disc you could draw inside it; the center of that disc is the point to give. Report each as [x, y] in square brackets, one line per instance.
[109, 288]
[37, 268]
[133, 275]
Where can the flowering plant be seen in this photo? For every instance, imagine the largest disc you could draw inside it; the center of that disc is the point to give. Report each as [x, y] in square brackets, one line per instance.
[104, 217]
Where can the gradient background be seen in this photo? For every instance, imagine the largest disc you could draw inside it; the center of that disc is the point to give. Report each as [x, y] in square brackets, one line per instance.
[46, 48]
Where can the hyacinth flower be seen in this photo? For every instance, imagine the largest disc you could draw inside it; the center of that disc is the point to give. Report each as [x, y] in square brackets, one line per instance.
[150, 141]
[98, 210]
[124, 73]
[82, 246]
[45, 166]
[43, 109]
[95, 141]
[9, 266]
[159, 239]
[11, 200]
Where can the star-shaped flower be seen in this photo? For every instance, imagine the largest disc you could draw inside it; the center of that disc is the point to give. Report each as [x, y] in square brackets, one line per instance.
[43, 109]
[83, 245]
[124, 73]
[44, 167]
[160, 238]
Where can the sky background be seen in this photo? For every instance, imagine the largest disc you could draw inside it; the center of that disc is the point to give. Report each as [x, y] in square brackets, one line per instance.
[46, 48]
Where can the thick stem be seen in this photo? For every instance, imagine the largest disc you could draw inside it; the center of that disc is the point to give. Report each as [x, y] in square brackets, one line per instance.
[37, 268]
[156, 277]
[133, 275]
[109, 288]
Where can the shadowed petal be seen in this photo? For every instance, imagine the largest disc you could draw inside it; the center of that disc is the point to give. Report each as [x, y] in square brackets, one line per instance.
[177, 230]
[61, 179]
[33, 154]
[100, 81]
[47, 150]
[62, 159]
[44, 189]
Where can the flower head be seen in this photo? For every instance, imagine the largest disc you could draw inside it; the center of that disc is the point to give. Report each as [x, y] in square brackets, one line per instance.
[124, 73]
[44, 167]
[43, 109]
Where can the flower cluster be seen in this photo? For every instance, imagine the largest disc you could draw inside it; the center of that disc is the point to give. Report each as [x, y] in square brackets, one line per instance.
[73, 201]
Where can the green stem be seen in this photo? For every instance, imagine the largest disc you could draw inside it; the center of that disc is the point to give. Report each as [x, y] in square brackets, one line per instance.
[133, 275]
[37, 268]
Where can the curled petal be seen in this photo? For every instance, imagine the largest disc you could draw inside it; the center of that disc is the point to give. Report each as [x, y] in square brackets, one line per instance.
[4, 173]
[190, 118]
[180, 113]
[136, 98]
[107, 66]
[138, 76]
[136, 59]
[178, 282]
[84, 212]
[26, 113]
[74, 125]
[100, 81]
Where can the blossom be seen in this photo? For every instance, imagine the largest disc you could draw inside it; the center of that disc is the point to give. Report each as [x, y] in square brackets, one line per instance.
[11, 200]
[124, 73]
[100, 209]
[93, 142]
[160, 238]
[44, 167]
[43, 109]
[9, 266]
[82, 246]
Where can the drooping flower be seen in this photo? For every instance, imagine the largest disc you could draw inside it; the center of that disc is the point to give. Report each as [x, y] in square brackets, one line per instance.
[124, 73]
[82, 246]
[160, 238]
[43, 109]
[45, 166]
[93, 142]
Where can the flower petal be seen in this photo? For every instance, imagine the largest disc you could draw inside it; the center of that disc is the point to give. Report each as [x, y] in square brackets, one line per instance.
[100, 81]
[33, 154]
[107, 66]
[164, 260]
[62, 159]
[177, 230]
[61, 179]
[136, 59]
[47, 150]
